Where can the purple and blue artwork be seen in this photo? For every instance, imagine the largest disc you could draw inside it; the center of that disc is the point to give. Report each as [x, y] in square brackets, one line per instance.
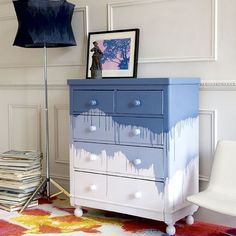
[116, 53]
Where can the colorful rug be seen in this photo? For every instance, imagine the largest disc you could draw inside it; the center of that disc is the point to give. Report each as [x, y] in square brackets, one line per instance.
[56, 218]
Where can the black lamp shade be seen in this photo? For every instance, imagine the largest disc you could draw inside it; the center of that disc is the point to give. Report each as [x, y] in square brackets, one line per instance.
[44, 23]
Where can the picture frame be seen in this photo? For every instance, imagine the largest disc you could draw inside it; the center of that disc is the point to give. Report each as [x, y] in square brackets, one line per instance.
[119, 53]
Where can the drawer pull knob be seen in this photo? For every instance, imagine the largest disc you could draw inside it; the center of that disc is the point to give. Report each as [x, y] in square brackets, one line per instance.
[137, 103]
[137, 162]
[138, 195]
[136, 132]
[92, 128]
[93, 157]
[93, 103]
[93, 187]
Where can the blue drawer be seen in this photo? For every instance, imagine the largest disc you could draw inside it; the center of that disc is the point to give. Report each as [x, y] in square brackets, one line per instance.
[93, 101]
[140, 131]
[140, 102]
[93, 128]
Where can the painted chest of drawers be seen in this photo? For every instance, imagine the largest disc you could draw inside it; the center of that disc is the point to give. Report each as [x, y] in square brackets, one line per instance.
[134, 146]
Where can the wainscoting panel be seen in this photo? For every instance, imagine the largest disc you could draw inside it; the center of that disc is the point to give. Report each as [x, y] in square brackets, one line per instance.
[61, 119]
[24, 127]
[207, 141]
[189, 32]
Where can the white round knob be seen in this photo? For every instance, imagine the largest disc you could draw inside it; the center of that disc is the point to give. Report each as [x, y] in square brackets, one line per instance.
[136, 132]
[138, 195]
[93, 157]
[137, 162]
[92, 102]
[137, 103]
[93, 187]
[92, 128]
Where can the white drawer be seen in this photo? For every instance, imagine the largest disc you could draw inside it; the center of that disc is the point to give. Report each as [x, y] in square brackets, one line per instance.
[136, 193]
[89, 186]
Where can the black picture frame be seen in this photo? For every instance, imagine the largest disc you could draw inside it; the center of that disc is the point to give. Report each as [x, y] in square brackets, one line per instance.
[119, 52]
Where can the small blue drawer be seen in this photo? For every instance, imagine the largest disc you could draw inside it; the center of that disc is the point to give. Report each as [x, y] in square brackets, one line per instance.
[140, 131]
[93, 128]
[140, 102]
[93, 101]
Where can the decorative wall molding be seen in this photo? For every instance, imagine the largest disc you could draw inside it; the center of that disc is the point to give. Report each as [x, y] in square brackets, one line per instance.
[12, 126]
[16, 66]
[218, 85]
[27, 86]
[84, 11]
[205, 85]
[211, 115]
[112, 6]
[57, 125]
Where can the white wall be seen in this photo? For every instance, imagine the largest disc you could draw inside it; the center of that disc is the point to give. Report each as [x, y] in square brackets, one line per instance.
[177, 38]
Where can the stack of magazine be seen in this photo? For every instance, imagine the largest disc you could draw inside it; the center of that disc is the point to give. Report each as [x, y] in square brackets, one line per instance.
[20, 175]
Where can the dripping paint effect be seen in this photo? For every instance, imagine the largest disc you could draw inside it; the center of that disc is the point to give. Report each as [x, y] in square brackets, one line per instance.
[182, 145]
[171, 162]
[181, 185]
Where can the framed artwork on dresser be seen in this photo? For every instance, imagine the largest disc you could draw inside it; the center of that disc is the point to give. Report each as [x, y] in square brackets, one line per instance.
[113, 54]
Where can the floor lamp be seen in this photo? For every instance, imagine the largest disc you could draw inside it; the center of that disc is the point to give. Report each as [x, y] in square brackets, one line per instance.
[44, 24]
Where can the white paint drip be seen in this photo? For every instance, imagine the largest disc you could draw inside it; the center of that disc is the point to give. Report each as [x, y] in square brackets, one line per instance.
[182, 152]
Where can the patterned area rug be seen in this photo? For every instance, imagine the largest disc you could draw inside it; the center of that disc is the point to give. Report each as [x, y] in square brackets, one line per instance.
[56, 218]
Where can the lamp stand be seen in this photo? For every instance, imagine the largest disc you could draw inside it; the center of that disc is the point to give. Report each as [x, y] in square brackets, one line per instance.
[45, 184]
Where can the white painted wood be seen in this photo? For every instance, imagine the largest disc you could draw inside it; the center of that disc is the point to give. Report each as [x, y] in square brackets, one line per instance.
[136, 193]
[90, 186]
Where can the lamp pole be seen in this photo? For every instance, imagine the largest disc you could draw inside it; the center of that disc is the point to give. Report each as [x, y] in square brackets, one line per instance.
[46, 123]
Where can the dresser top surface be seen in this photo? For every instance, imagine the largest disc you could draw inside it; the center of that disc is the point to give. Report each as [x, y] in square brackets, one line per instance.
[136, 81]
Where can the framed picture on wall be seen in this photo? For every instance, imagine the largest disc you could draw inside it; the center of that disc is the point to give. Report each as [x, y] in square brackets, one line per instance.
[114, 53]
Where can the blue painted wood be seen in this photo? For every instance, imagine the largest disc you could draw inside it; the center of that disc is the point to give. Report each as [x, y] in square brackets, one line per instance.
[93, 101]
[137, 102]
[135, 81]
[182, 103]
[93, 128]
[140, 131]
[180, 95]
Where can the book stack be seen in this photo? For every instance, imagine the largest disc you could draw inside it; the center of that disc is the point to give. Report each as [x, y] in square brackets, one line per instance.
[20, 175]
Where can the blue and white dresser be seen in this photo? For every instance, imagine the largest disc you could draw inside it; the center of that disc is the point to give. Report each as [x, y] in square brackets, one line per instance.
[134, 146]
